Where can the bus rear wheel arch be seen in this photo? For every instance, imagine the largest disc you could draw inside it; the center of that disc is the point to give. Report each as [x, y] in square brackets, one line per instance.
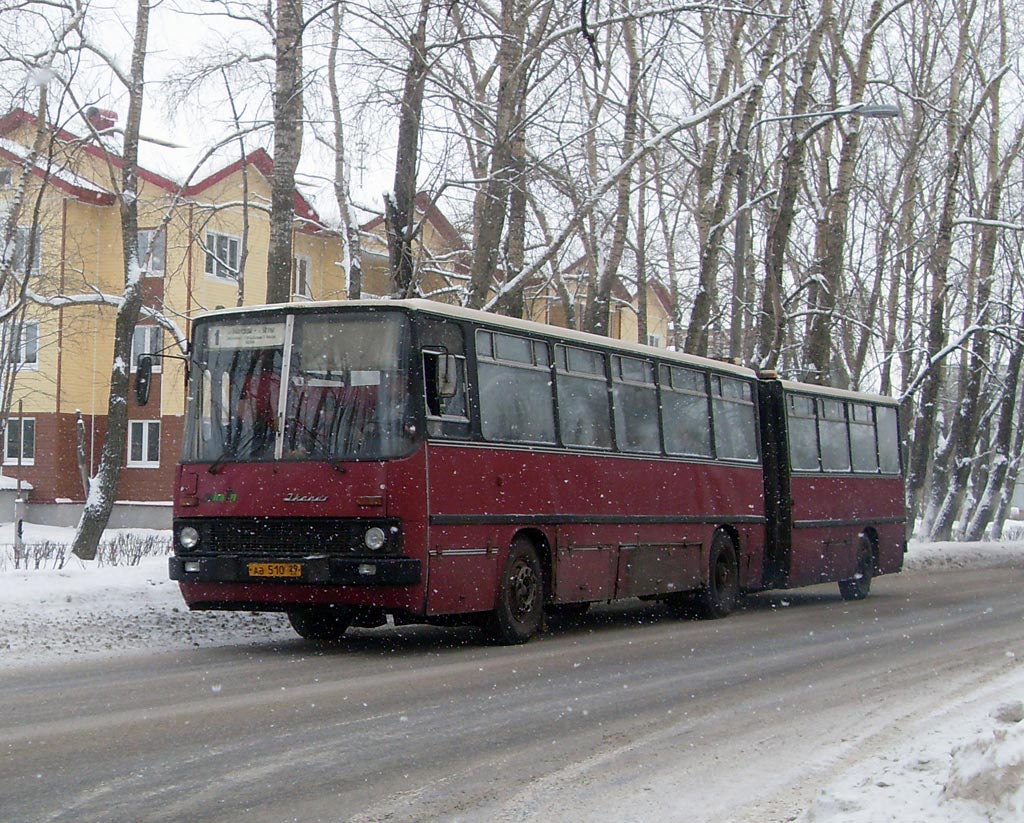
[719, 595]
[519, 607]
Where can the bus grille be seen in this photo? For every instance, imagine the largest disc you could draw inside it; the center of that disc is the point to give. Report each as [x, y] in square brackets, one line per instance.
[277, 537]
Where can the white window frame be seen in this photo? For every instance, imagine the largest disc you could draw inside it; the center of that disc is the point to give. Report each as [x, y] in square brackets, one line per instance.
[146, 340]
[149, 432]
[21, 349]
[222, 263]
[302, 276]
[11, 459]
[21, 235]
[158, 262]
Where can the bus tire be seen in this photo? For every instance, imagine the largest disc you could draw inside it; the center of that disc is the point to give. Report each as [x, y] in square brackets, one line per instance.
[859, 586]
[324, 623]
[519, 610]
[719, 597]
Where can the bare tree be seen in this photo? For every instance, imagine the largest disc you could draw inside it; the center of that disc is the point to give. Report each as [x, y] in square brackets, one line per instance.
[103, 490]
[400, 204]
[288, 120]
[818, 345]
[353, 246]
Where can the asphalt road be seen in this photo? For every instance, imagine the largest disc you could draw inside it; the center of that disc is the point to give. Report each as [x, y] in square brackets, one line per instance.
[625, 714]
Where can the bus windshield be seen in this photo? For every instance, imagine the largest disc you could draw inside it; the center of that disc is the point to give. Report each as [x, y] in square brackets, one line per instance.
[310, 386]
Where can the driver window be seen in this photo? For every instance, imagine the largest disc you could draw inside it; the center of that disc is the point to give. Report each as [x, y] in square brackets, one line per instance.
[444, 378]
[445, 391]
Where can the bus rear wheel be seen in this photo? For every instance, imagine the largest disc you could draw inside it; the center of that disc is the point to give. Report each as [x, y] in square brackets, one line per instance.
[325, 623]
[520, 607]
[719, 597]
[859, 586]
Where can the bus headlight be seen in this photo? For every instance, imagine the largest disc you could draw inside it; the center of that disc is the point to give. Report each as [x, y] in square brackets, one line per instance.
[374, 538]
[188, 538]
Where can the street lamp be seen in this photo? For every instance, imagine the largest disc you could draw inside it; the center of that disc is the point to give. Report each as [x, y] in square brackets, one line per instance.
[875, 111]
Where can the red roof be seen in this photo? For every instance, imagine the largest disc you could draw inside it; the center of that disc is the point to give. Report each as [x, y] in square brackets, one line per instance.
[84, 193]
[259, 159]
[433, 215]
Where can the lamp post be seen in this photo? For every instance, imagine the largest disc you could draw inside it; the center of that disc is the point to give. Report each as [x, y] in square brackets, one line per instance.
[742, 234]
[19, 502]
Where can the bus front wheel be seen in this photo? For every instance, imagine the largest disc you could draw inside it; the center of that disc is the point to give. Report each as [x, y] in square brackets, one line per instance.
[520, 606]
[324, 623]
[859, 586]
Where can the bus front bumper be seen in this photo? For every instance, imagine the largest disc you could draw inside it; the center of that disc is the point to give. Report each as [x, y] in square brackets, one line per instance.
[315, 570]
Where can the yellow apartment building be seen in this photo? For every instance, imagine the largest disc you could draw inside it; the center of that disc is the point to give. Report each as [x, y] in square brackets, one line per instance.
[63, 344]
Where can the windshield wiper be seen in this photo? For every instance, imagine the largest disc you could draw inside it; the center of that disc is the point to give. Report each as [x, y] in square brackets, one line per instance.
[231, 450]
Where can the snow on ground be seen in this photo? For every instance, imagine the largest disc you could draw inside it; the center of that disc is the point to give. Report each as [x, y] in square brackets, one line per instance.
[91, 608]
[966, 764]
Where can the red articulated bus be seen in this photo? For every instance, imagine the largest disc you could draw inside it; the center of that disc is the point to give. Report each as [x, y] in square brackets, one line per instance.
[348, 461]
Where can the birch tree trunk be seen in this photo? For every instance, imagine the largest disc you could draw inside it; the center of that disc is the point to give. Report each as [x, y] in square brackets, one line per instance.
[400, 204]
[712, 205]
[492, 202]
[773, 318]
[819, 341]
[1001, 461]
[597, 315]
[958, 132]
[103, 489]
[287, 146]
[353, 245]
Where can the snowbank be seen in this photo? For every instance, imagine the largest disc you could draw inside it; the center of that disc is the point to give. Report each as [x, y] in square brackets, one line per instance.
[964, 765]
[986, 554]
[89, 608]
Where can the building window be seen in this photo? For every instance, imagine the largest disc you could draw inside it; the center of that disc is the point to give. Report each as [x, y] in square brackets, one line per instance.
[21, 260]
[152, 251]
[147, 340]
[222, 255]
[20, 441]
[144, 443]
[25, 347]
[654, 340]
[301, 286]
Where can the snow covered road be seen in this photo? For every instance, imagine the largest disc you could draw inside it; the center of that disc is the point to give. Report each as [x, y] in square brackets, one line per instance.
[906, 707]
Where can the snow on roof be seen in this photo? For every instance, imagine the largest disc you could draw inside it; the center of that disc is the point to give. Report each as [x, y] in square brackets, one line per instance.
[65, 178]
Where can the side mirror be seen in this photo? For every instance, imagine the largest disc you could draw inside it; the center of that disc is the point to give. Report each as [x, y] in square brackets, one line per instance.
[143, 378]
[447, 375]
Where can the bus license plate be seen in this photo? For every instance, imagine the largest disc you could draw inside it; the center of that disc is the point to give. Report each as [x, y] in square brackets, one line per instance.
[275, 570]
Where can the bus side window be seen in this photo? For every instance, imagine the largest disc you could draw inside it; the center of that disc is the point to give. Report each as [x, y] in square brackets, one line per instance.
[732, 404]
[686, 416]
[581, 387]
[863, 442]
[635, 400]
[833, 435]
[803, 433]
[888, 439]
[514, 376]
